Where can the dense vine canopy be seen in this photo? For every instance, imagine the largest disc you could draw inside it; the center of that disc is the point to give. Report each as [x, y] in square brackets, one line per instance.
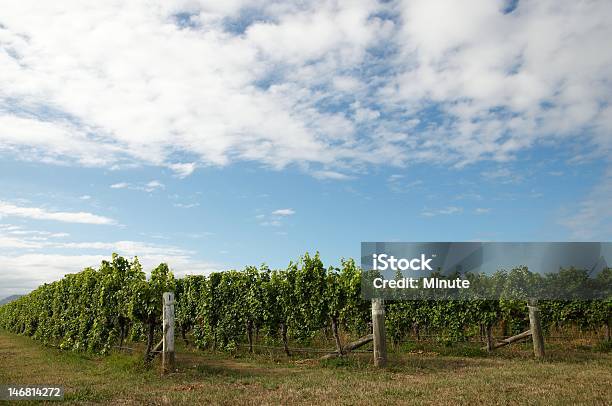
[96, 309]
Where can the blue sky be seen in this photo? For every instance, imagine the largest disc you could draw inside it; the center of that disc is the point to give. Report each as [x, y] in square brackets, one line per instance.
[218, 135]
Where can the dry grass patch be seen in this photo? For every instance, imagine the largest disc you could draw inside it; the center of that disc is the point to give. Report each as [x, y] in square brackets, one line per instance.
[423, 376]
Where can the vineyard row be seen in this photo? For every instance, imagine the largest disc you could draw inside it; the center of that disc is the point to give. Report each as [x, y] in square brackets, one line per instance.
[97, 309]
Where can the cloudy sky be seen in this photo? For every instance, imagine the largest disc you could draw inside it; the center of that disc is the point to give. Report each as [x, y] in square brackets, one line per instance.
[216, 134]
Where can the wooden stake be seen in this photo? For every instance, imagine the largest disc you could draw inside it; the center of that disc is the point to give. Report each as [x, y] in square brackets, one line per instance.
[151, 354]
[337, 335]
[536, 328]
[350, 347]
[285, 341]
[489, 332]
[378, 330]
[249, 327]
[168, 359]
[510, 340]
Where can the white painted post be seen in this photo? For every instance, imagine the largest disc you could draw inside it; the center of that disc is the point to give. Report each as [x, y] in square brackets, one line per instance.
[168, 330]
[378, 330]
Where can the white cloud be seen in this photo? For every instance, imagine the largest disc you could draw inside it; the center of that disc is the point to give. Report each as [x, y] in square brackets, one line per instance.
[502, 175]
[283, 212]
[442, 211]
[186, 205]
[397, 184]
[364, 114]
[117, 96]
[506, 81]
[45, 140]
[24, 272]
[182, 170]
[36, 213]
[275, 219]
[15, 242]
[145, 104]
[271, 223]
[85, 197]
[151, 186]
[120, 185]
[502, 84]
[591, 219]
[26, 265]
[482, 210]
[10, 231]
[128, 248]
[330, 175]
[347, 83]
[468, 196]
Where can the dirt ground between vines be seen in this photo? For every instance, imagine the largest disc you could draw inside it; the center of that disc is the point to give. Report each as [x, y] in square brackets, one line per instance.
[421, 374]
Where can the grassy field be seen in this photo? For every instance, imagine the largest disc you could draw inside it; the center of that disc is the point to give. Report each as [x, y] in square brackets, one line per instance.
[416, 375]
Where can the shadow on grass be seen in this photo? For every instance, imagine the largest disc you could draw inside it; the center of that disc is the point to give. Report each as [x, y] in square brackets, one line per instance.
[427, 359]
[555, 351]
[398, 363]
[217, 370]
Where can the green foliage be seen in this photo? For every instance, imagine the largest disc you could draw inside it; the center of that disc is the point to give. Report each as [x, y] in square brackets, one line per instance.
[304, 297]
[146, 298]
[95, 309]
[87, 311]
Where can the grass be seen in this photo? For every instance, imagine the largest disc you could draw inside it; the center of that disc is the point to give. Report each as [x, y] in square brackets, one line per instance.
[417, 374]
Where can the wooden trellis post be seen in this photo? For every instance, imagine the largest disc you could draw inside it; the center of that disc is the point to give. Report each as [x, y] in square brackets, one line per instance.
[378, 330]
[168, 331]
[536, 328]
